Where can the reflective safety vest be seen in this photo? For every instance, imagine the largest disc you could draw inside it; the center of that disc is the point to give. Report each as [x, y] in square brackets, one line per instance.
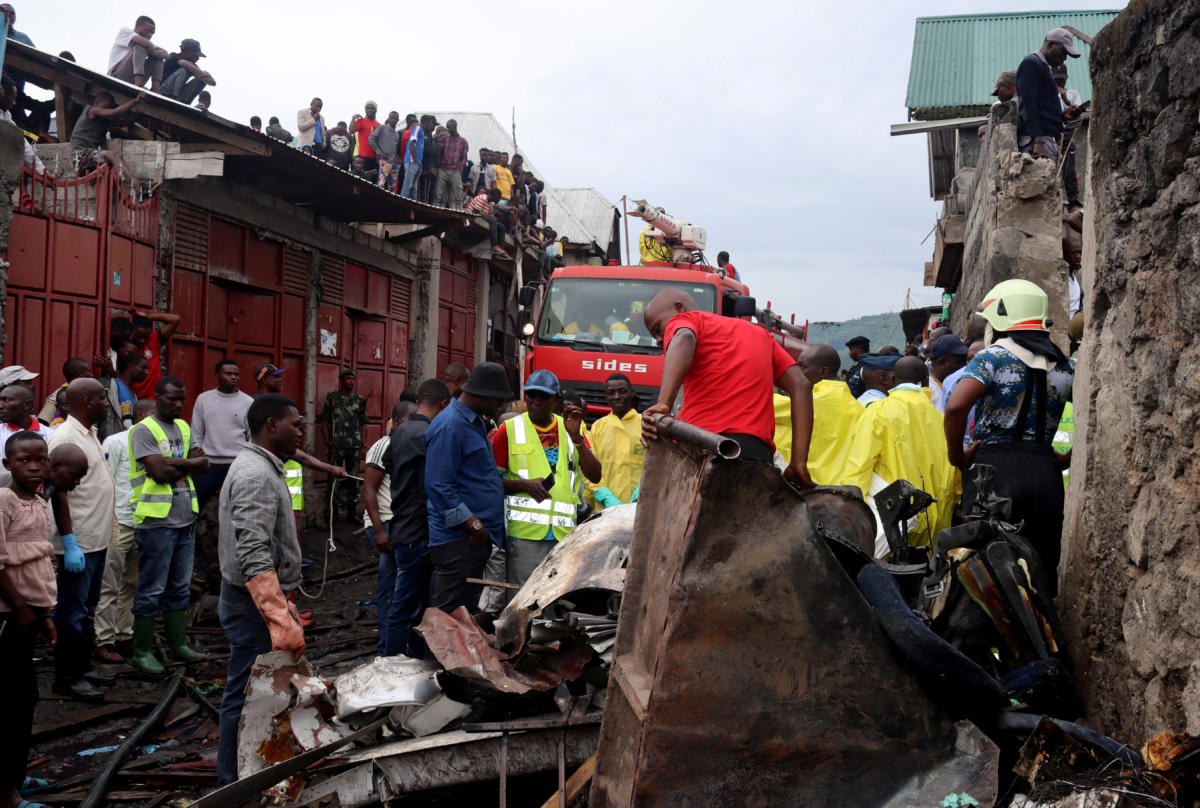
[293, 474]
[152, 500]
[527, 518]
[1064, 438]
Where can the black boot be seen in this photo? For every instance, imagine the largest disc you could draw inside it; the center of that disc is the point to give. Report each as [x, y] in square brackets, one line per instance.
[86, 646]
[69, 672]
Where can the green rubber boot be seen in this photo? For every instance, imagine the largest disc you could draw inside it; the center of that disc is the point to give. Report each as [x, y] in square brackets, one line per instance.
[175, 624]
[143, 645]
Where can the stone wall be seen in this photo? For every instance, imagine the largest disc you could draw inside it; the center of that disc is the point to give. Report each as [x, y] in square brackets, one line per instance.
[1014, 226]
[1130, 577]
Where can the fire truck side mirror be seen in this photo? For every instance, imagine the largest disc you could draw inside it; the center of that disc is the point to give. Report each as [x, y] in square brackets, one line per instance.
[744, 306]
[527, 295]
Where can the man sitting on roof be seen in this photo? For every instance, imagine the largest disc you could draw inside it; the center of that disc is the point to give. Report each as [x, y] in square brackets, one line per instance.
[183, 77]
[134, 57]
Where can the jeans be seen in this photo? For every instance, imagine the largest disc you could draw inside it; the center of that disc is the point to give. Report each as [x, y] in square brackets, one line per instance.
[165, 556]
[453, 563]
[78, 594]
[18, 683]
[208, 484]
[495, 229]
[139, 62]
[449, 188]
[412, 173]
[400, 607]
[114, 613]
[183, 89]
[248, 637]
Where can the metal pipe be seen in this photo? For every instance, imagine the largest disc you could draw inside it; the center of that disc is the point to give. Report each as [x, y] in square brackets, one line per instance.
[671, 427]
[95, 796]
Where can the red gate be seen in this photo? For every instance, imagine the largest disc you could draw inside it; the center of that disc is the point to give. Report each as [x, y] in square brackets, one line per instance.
[80, 250]
[457, 308]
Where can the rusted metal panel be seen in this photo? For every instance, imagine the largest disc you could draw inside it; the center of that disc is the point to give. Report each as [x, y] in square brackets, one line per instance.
[143, 275]
[226, 250]
[120, 270]
[264, 262]
[398, 345]
[292, 322]
[379, 293]
[252, 315]
[370, 338]
[216, 307]
[354, 288]
[749, 670]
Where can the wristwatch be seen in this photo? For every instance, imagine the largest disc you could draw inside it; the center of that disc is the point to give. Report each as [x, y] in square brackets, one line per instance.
[474, 525]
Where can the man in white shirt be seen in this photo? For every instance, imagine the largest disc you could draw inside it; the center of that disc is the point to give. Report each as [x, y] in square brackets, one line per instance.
[16, 404]
[219, 428]
[114, 613]
[134, 57]
[85, 531]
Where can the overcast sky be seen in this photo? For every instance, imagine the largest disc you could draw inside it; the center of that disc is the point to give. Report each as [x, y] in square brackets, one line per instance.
[764, 122]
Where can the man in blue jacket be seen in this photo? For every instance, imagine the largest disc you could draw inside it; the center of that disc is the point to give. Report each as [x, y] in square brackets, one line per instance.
[1040, 119]
[465, 503]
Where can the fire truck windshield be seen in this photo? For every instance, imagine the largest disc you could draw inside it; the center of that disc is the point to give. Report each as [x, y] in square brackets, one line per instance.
[607, 312]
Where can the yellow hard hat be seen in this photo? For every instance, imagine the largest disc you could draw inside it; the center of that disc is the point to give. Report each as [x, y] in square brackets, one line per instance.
[1016, 305]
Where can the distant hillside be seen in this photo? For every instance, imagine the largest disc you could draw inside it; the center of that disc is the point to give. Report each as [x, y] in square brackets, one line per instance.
[881, 329]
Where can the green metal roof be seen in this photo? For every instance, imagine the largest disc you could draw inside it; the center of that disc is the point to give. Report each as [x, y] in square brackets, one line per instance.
[956, 59]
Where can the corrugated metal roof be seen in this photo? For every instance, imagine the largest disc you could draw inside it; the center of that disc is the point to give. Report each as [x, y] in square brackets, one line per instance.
[956, 59]
[583, 215]
[483, 130]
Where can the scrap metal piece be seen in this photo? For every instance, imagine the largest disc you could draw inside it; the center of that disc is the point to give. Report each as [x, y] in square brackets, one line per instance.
[288, 711]
[721, 446]
[386, 682]
[592, 558]
[748, 669]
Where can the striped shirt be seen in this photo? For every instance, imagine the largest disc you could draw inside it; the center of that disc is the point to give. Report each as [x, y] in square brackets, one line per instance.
[480, 204]
[378, 457]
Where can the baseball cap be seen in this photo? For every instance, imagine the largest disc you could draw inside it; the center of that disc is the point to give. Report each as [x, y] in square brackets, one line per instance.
[1005, 77]
[1063, 37]
[267, 370]
[946, 345]
[16, 373]
[1059, 72]
[879, 361]
[347, 372]
[191, 45]
[543, 381]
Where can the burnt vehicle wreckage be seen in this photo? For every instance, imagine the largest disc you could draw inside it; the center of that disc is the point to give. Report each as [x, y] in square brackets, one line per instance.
[727, 640]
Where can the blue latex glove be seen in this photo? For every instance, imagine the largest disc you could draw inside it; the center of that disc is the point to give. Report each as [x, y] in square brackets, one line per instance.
[72, 555]
[636, 491]
[606, 497]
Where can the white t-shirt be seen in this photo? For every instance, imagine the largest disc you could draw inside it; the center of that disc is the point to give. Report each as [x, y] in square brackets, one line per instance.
[116, 452]
[8, 430]
[120, 48]
[1074, 294]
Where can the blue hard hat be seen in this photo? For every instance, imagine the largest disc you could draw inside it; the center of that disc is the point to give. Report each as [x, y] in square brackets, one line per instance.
[543, 381]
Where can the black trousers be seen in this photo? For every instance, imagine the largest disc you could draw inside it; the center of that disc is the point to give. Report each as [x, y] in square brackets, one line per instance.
[1070, 178]
[1029, 475]
[453, 563]
[754, 449]
[18, 683]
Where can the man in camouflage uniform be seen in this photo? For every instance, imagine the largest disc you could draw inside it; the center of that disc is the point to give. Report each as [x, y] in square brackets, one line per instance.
[343, 417]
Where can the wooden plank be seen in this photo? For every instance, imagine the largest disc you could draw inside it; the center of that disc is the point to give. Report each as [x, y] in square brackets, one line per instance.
[60, 113]
[576, 783]
[74, 720]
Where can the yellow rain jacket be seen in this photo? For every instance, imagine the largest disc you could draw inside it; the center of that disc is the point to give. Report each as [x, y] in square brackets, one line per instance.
[901, 437]
[835, 413]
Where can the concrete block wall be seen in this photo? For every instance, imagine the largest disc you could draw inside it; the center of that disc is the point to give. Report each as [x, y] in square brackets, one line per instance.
[1013, 227]
[1130, 576]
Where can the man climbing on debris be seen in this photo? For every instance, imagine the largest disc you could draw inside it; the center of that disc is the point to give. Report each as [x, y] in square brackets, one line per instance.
[260, 559]
[727, 368]
[1040, 118]
[541, 456]
[1019, 386]
[901, 438]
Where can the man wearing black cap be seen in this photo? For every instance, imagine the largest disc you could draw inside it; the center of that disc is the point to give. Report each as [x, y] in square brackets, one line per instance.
[858, 346]
[466, 498]
[183, 79]
[947, 354]
[344, 416]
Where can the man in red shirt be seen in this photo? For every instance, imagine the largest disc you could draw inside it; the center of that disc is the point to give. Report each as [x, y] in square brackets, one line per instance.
[362, 128]
[149, 341]
[728, 368]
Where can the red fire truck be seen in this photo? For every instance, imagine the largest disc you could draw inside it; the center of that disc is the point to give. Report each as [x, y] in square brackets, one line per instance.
[589, 324]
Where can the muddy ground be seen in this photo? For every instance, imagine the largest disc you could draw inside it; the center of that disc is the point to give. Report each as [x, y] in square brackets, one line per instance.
[177, 761]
